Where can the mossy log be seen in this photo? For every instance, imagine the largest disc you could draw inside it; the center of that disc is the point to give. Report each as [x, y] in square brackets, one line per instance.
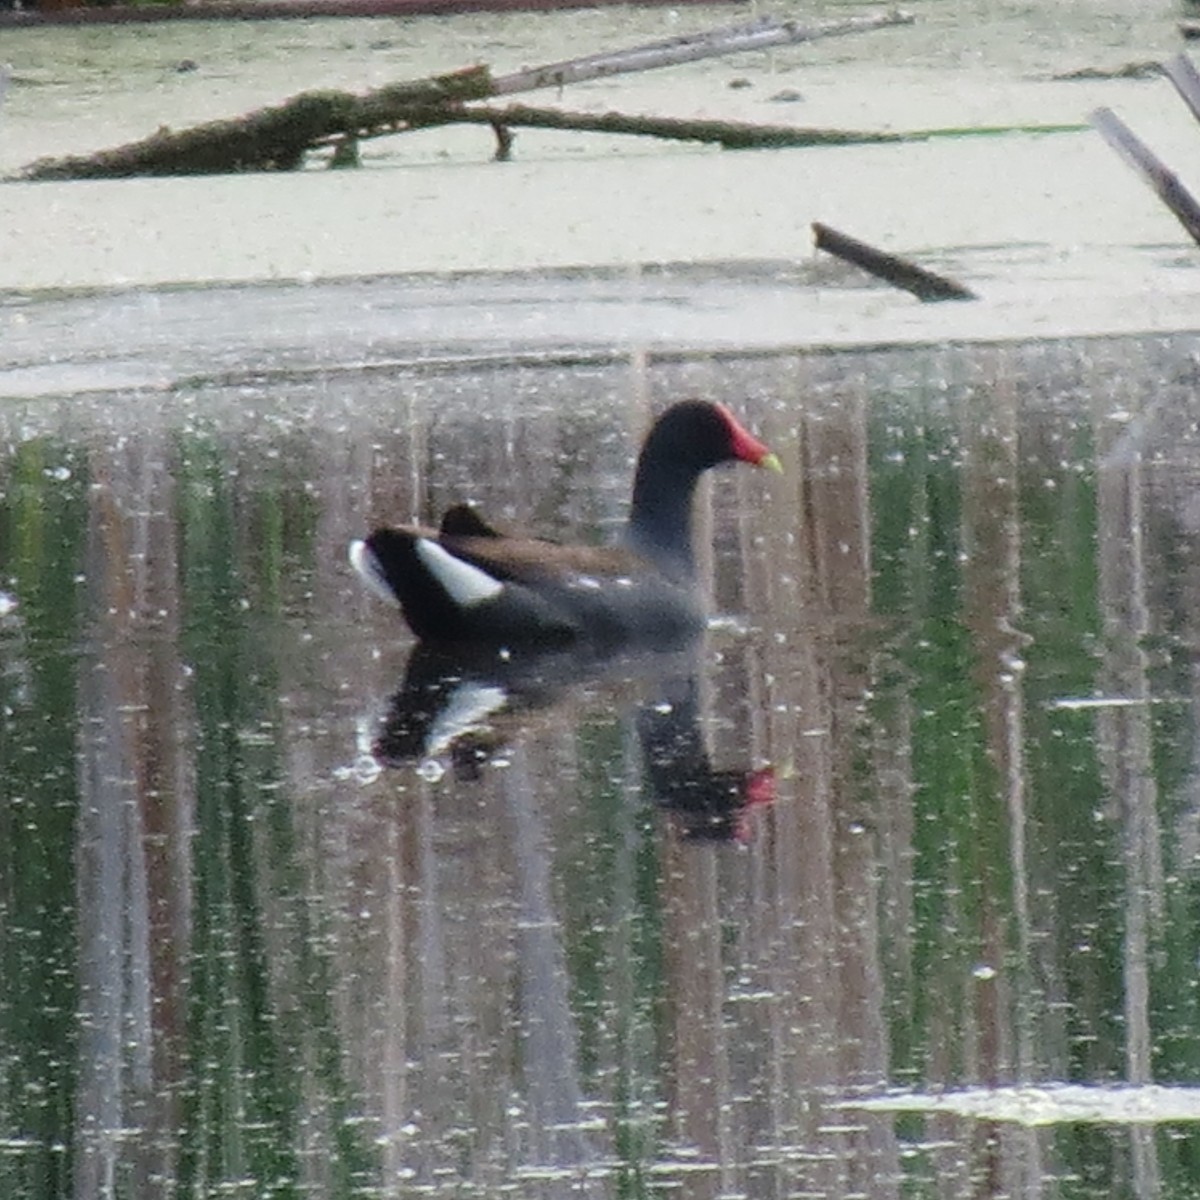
[273, 139]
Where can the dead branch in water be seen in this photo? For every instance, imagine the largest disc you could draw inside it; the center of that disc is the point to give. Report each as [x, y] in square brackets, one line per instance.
[899, 272]
[1151, 168]
[730, 135]
[277, 138]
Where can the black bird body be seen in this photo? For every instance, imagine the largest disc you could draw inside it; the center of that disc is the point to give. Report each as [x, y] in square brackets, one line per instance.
[469, 582]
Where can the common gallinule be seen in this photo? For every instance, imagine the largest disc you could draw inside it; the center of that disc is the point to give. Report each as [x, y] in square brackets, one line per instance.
[468, 582]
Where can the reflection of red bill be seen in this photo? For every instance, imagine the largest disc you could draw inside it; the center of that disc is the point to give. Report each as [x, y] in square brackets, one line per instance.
[758, 793]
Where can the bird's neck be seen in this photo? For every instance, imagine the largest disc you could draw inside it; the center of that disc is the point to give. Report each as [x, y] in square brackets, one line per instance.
[660, 516]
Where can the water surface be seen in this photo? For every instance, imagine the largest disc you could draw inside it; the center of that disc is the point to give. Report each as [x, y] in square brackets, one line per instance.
[251, 946]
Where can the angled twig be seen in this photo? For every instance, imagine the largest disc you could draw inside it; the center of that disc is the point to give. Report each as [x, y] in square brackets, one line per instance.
[712, 43]
[899, 272]
[1152, 169]
[1181, 71]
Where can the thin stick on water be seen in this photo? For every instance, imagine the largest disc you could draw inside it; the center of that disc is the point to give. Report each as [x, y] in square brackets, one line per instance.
[1151, 168]
[684, 39]
[1181, 71]
[757, 35]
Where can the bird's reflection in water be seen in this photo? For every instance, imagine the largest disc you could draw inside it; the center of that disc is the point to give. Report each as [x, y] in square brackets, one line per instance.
[469, 705]
[705, 804]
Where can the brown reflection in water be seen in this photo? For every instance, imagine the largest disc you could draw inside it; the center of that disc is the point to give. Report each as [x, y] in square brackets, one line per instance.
[135, 826]
[484, 1065]
[697, 1071]
[1005, 1160]
[991, 546]
[773, 968]
[1124, 732]
[820, 969]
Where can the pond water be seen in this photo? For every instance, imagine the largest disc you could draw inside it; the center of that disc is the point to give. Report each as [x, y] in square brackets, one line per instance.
[836, 906]
[887, 887]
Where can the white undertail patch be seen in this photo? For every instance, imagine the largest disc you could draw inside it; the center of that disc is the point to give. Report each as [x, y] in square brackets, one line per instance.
[466, 585]
[466, 711]
[367, 567]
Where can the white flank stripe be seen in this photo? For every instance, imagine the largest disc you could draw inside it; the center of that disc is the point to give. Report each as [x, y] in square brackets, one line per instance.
[465, 584]
[367, 568]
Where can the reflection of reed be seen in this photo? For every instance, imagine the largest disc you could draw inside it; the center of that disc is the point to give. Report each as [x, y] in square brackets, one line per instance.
[1125, 737]
[697, 1077]
[833, 847]
[992, 612]
[773, 968]
[1125, 741]
[546, 1027]
[136, 795]
[1009, 1161]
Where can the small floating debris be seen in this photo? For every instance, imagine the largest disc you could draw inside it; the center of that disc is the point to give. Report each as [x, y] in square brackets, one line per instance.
[572, 1174]
[1049, 1104]
[1130, 70]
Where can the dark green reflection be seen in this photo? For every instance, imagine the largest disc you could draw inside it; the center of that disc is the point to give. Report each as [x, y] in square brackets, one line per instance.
[257, 1030]
[42, 521]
